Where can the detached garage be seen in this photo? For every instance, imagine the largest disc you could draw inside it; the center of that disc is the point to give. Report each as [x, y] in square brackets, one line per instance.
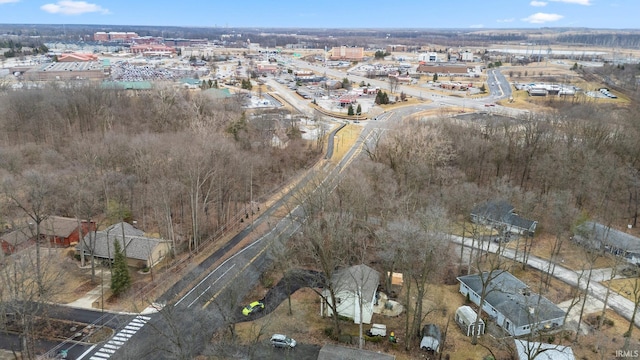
[466, 319]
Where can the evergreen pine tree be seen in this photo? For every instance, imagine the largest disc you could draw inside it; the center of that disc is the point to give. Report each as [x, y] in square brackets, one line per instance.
[359, 109]
[120, 278]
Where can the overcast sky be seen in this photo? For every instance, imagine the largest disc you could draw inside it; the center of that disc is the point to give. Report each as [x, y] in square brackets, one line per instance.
[614, 14]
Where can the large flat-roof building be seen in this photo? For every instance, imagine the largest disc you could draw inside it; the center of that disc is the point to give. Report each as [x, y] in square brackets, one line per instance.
[347, 53]
[114, 36]
[153, 49]
[89, 70]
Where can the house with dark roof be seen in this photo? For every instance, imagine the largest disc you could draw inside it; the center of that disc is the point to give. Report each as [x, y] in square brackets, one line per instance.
[601, 237]
[352, 285]
[333, 352]
[511, 303]
[141, 251]
[500, 214]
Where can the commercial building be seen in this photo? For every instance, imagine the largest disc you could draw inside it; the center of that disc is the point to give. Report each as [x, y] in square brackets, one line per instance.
[114, 36]
[430, 57]
[76, 57]
[347, 53]
[88, 70]
[153, 50]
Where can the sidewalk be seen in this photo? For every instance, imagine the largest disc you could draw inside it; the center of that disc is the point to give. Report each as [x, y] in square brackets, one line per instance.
[93, 295]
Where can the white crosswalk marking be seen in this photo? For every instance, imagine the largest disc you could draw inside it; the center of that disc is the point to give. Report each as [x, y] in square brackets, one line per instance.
[97, 357]
[110, 348]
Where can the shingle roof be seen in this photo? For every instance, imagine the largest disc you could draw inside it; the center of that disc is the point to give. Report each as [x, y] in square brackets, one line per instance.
[513, 298]
[137, 246]
[498, 210]
[352, 277]
[58, 226]
[502, 211]
[596, 235]
[333, 352]
[18, 236]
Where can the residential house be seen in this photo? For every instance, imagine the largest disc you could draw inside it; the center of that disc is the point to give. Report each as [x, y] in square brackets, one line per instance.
[59, 231]
[140, 251]
[500, 214]
[16, 240]
[510, 303]
[353, 285]
[63, 231]
[542, 351]
[333, 352]
[601, 237]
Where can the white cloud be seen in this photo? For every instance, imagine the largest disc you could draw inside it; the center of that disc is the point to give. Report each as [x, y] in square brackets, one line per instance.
[506, 20]
[538, 3]
[578, 2]
[69, 7]
[476, 26]
[540, 18]
[8, 1]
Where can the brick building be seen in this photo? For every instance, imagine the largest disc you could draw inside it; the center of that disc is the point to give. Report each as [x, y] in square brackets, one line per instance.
[347, 53]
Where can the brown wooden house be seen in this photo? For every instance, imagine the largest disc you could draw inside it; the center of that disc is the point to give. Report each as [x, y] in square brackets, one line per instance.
[58, 231]
[63, 231]
[15, 240]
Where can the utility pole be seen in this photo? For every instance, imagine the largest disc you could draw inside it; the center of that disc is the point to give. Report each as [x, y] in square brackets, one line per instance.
[251, 194]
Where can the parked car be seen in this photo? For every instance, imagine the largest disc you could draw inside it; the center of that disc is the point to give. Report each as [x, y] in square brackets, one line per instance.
[252, 308]
[282, 341]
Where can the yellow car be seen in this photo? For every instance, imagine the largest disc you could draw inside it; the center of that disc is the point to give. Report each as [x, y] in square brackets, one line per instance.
[254, 307]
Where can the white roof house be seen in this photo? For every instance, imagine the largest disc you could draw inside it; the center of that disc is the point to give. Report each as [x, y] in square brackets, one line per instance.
[352, 285]
[542, 351]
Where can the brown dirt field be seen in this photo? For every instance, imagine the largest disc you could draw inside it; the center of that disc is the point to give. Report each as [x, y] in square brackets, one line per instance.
[344, 140]
[624, 287]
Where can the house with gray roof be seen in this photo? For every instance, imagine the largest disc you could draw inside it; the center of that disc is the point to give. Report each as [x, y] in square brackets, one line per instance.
[17, 239]
[601, 237]
[528, 350]
[141, 251]
[333, 352]
[511, 303]
[500, 214]
[352, 285]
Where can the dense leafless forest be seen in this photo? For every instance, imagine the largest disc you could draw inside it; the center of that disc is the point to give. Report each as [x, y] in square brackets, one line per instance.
[182, 164]
[177, 162]
[583, 157]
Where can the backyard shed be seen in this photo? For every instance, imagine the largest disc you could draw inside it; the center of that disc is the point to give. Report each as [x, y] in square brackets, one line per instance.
[466, 319]
[431, 338]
